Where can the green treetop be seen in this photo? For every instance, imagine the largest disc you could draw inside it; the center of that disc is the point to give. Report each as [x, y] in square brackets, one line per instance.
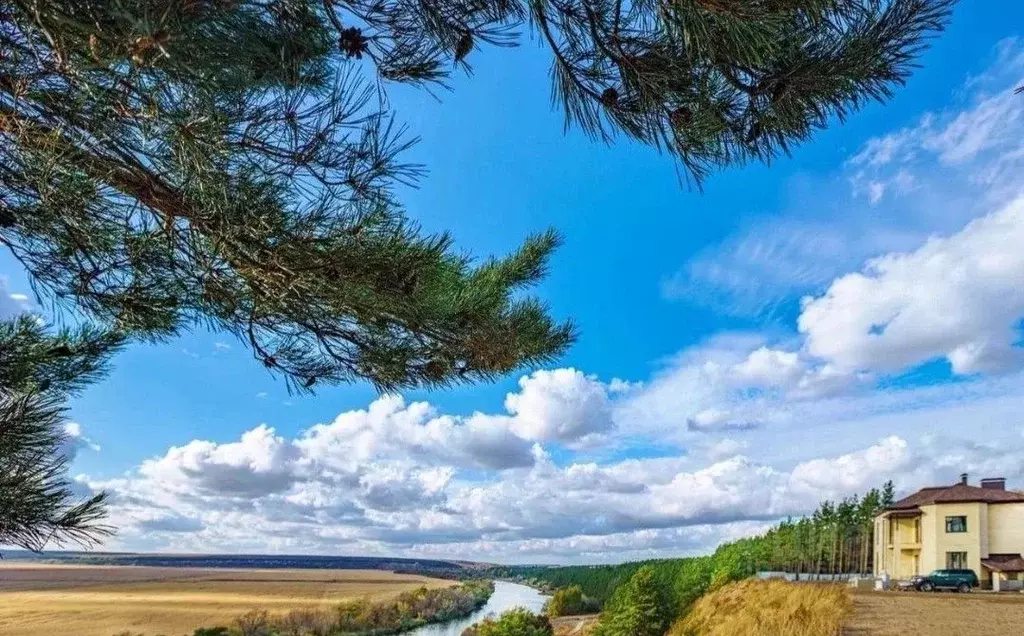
[515, 622]
[638, 608]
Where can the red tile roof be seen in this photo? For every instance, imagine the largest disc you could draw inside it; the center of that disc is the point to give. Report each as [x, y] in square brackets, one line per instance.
[1004, 563]
[957, 493]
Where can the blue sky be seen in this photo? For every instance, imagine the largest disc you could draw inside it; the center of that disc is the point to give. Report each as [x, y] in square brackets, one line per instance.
[699, 367]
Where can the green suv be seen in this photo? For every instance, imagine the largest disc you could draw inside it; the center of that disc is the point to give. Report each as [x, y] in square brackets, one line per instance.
[959, 580]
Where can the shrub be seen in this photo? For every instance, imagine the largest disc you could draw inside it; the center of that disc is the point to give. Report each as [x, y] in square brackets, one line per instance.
[254, 623]
[570, 601]
[515, 622]
[306, 622]
[212, 631]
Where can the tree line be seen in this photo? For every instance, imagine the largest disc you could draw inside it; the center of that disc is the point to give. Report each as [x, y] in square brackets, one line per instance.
[363, 617]
[836, 538]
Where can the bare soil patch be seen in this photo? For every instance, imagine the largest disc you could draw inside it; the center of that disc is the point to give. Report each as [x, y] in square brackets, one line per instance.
[574, 625]
[914, 613]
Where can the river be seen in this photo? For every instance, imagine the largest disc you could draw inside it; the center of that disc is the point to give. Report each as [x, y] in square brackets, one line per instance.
[505, 597]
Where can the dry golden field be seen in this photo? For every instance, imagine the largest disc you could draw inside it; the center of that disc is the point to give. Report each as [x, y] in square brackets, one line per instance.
[54, 600]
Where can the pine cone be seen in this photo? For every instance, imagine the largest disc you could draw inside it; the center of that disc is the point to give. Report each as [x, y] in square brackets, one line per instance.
[7, 218]
[464, 46]
[780, 92]
[682, 117]
[753, 133]
[352, 42]
[610, 97]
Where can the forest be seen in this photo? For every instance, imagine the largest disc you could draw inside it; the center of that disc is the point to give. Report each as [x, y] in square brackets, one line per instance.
[837, 538]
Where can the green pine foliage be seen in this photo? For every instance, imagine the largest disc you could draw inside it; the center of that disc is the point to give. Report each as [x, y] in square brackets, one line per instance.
[39, 370]
[168, 164]
[515, 622]
[638, 608]
[720, 82]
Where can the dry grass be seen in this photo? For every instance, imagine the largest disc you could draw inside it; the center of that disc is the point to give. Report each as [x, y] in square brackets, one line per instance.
[574, 625]
[102, 601]
[922, 614]
[768, 608]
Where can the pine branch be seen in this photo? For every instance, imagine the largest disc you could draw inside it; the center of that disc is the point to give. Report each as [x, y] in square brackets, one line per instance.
[38, 370]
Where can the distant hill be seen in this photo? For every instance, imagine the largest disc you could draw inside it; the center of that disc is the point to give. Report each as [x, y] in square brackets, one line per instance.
[255, 561]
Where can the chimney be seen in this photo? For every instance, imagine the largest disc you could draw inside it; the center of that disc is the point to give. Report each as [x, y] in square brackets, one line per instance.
[963, 478]
[994, 483]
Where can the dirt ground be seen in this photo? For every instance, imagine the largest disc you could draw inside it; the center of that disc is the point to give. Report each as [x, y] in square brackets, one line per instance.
[43, 600]
[927, 614]
[574, 625]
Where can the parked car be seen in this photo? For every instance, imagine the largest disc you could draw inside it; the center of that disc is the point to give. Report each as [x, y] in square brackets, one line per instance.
[959, 580]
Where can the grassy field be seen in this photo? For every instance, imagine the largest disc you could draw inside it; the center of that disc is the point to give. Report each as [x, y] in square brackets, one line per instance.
[768, 608]
[923, 614]
[44, 600]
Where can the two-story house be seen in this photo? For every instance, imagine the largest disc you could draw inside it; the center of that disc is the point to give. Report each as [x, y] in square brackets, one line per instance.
[954, 527]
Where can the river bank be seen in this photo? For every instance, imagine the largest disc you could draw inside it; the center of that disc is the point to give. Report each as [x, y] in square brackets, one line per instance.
[505, 597]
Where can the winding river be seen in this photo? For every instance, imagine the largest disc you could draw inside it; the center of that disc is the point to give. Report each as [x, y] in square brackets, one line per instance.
[505, 597]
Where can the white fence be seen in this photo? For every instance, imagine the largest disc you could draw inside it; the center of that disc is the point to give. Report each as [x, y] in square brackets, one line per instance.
[791, 576]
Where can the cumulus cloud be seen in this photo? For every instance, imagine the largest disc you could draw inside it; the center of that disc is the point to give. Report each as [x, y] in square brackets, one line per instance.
[260, 463]
[563, 405]
[401, 478]
[392, 428]
[732, 382]
[630, 505]
[957, 297]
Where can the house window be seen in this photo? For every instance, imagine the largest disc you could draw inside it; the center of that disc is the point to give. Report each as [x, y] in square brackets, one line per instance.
[956, 560]
[956, 524]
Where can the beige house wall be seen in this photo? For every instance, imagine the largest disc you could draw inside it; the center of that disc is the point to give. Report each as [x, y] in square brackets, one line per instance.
[970, 542]
[929, 533]
[899, 551]
[1006, 528]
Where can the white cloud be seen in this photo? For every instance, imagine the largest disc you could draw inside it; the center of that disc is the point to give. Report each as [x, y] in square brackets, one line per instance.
[392, 428]
[75, 440]
[563, 405]
[260, 463]
[402, 478]
[11, 303]
[836, 477]
[402, 506]
[958, 297]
